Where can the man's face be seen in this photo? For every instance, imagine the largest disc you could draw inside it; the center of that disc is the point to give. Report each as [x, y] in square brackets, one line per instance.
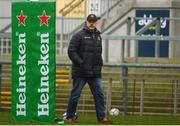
[91, 24]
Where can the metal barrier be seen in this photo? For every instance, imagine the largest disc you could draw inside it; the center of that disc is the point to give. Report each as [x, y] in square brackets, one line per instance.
[5, 45]
[69, 21]
[0, 83]
[124, 68]
[124, 77]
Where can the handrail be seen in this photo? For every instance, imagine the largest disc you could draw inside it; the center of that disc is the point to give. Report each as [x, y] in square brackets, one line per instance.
[137, 65]
[103, 14]
[73, 7]
[132, 65]
[5, 28]
[69, 4]
[6, 35]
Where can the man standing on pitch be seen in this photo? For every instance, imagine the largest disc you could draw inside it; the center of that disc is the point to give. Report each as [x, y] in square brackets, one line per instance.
[85, 51]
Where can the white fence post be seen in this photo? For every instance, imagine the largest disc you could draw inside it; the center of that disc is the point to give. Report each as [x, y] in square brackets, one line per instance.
[108, 96]
[142, 98]
[175, 98]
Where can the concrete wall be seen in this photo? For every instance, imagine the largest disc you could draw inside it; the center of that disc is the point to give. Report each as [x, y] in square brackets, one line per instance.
[5, 8]
[153, 3]
[115, 45]
[5, 13]
[175, 29]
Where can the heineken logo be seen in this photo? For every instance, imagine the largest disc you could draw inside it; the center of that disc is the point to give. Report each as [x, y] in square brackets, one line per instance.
[44, 18]
[33, 61]
[21, 19]
[21, 64]
[43, 105]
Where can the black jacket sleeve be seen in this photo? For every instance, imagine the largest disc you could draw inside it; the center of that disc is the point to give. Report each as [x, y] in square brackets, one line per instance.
[73, 50]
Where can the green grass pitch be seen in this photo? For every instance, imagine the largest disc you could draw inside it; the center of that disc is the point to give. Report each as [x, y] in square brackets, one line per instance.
[90, 119]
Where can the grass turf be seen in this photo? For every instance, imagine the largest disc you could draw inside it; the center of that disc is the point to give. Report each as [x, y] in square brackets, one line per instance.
[90, 119]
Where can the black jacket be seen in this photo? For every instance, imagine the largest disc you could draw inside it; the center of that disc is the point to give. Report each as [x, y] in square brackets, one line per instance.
[85, 51]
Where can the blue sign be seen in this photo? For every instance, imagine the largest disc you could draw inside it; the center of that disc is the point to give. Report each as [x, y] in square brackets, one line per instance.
[147, 49]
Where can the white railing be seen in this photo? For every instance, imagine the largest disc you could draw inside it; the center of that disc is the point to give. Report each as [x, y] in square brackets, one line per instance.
[5, 46]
